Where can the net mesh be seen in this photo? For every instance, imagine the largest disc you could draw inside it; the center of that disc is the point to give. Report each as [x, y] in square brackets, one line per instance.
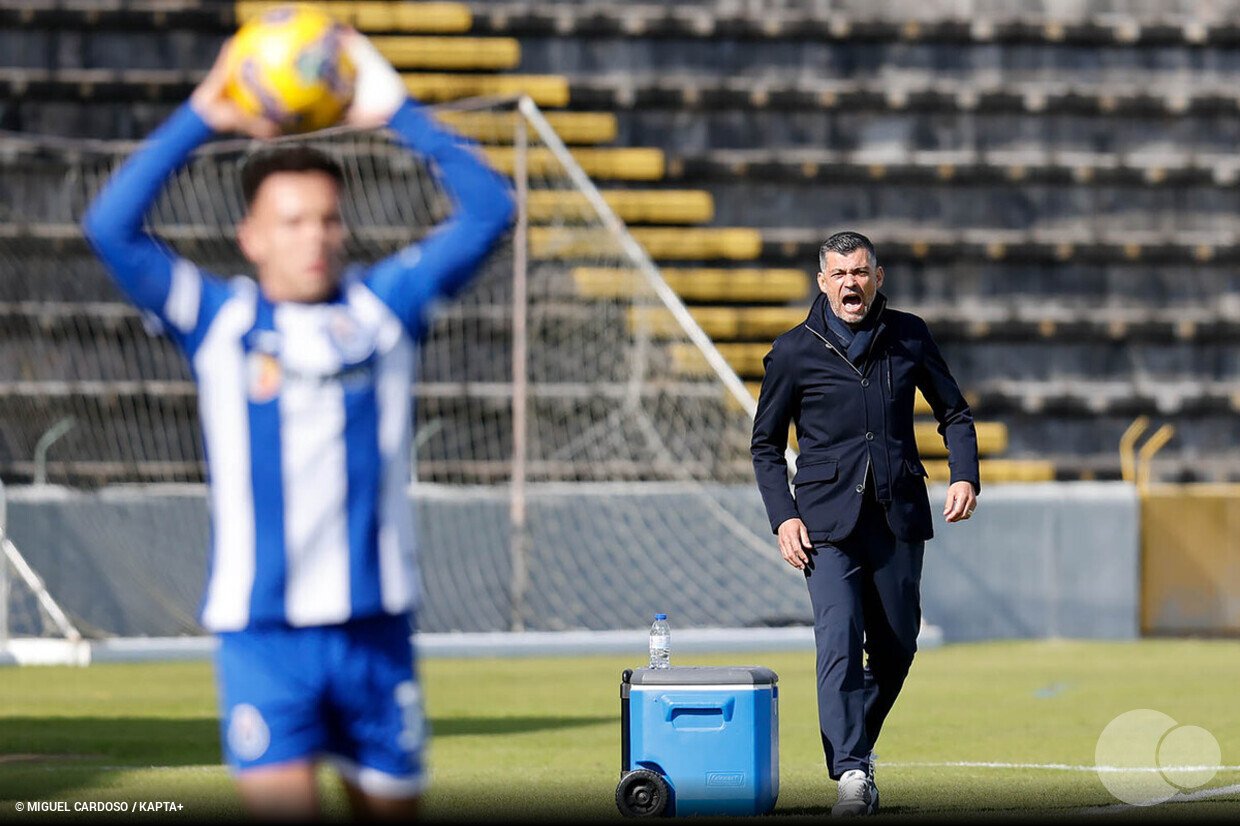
[579, 461]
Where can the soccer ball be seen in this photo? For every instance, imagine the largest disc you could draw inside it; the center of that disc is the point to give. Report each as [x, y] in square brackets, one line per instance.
[289, 65]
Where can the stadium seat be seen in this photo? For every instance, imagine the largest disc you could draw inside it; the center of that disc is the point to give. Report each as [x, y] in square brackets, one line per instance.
[1037, 345]
[608, 163]
[705, 243]
[121, 119]
[694, 284]
[922, 243]
[726, 323]
[992, 438]
[997, 168]
[997, 471]
[745, 359]
[663, 244]
[545, 90]
[382, 15]
[902, 23]
[574, 128]
[633, 206]
[450, 53]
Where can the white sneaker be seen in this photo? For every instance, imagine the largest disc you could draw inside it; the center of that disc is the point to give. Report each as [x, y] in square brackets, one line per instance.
[856, 795]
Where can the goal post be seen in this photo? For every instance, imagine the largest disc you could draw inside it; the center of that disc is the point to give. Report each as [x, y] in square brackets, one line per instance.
[33, 627]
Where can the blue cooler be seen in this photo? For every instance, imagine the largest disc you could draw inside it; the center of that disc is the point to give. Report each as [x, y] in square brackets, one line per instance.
[699, 740]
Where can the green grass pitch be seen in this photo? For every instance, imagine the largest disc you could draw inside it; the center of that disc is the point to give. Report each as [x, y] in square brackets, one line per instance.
[535, 738]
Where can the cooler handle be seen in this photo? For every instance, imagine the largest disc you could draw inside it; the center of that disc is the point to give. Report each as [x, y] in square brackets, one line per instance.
[679, 704]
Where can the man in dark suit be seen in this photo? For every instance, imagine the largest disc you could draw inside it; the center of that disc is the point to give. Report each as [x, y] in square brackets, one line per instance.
[847, 378]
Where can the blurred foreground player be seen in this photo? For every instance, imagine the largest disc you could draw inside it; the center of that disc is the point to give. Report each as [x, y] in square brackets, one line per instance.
[847, 377]
[304, 399]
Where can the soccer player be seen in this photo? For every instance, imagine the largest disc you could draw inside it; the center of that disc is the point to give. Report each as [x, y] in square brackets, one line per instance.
[304, 399]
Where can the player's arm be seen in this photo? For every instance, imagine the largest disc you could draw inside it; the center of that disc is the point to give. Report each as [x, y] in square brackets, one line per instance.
[146, 270]
[141, 265]
[443, 263]
[956, 427]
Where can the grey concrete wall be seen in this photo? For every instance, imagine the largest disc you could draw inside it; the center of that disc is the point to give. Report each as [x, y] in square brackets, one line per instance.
[1038, 560]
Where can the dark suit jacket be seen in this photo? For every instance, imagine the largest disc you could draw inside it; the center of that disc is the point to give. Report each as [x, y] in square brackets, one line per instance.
[852, 420]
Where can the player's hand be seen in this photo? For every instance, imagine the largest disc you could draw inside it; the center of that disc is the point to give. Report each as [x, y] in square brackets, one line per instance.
[378, 90]
[794, 543]
[221, 113]
[961, 502]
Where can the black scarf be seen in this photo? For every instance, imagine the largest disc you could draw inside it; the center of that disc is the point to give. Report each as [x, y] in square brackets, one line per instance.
[855, 341]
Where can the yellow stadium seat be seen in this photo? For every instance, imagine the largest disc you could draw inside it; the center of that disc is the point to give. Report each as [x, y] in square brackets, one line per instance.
[633, 206]
[736, 243]
[662, 243]
[429, 18]
[623, 163]
[546, 90]
[700, 283]
[567, 243]
[746, 359]
[573, 128]
[730, 323]
[992, 438]
[450, 53]
[921, 407]
[998, 471]
[380, 15]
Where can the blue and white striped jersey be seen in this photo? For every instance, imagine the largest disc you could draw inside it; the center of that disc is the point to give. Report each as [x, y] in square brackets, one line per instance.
[306, 409]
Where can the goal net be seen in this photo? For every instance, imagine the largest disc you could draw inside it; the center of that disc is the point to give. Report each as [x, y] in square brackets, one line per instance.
[581, 447]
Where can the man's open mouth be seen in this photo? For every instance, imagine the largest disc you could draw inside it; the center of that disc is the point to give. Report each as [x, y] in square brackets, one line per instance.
[852, 302]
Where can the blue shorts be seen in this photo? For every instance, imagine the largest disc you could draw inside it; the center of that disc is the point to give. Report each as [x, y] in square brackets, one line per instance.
[345, 693]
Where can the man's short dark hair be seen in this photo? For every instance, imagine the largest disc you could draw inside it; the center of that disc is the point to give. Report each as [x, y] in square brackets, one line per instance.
[844, 243]
[298, 158]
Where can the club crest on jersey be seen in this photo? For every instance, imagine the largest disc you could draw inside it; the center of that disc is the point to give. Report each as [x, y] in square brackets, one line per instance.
[351, 340]
[264, 376]
[248, 735]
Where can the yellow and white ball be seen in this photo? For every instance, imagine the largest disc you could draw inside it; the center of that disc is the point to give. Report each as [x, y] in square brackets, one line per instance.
[290, 65]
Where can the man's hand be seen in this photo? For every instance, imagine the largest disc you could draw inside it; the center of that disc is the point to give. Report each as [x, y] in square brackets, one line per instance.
[794, 542]
[961, 502]
[378, 90]
[221, 113]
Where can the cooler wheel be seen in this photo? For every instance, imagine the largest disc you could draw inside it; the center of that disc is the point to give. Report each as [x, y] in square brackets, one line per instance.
[642, 793]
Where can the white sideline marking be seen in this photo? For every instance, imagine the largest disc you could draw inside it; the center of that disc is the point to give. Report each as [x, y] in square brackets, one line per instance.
[1067, 767]
[1182, 797]
[1106, 808]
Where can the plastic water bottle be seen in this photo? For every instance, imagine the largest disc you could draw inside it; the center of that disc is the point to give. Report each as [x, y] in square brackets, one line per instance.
[660, 642]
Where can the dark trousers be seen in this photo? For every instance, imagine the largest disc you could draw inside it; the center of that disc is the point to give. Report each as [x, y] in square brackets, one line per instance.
[866, 594]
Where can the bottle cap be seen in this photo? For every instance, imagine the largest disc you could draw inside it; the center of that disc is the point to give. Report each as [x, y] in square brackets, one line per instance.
[660, 617]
